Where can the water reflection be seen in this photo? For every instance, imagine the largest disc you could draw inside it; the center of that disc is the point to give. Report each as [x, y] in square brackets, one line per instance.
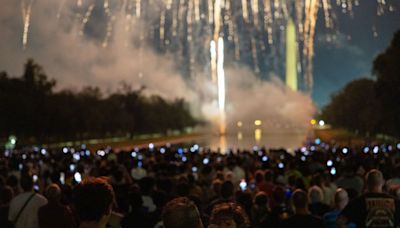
[289, 139]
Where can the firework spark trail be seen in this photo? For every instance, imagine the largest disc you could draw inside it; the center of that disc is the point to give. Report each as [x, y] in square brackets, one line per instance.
[181, 10]
[162, 27]
[244, 10]
[327, 8]
[189, 21]
[86, 19]
[110, 21]
[221, 86]
[197, 10]
[312, 7]
[277, 14]
[213, 55]
[26, 18]
[236, 43]
[138, 8]
[221, 19]
[254, 8]
[381, 7]
[228, 20]
[217, 65]
[285, 10]
[217, 19]
[268, 20]
[254, 55]
[175, 22]
[168, 4]
[210, 12]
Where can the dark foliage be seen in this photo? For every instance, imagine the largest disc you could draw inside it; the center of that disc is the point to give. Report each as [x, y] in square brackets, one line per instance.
[31, 109]
[371, 106]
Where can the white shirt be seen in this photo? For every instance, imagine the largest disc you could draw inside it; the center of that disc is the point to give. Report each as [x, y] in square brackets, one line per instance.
[29, 216]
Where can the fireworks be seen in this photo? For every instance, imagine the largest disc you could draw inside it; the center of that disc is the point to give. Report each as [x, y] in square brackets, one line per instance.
[26, 6]
[252, 31]
[221, 86]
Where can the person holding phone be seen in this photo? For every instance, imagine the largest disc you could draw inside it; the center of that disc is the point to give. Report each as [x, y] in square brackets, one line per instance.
[25, 205]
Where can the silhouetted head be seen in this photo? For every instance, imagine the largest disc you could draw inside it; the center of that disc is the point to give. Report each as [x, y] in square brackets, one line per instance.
[315, 194]
[374, 180]
[228, 215]
[300, 199]
[93, 199]
[341, 198]
[181, 213]
[53, 193]
[26, 183]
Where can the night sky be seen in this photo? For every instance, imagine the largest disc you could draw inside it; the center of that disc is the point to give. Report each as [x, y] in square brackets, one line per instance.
[349, 57]
[346, 60]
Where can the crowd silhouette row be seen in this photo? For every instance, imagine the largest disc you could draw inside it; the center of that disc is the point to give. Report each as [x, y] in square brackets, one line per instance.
[319, 185]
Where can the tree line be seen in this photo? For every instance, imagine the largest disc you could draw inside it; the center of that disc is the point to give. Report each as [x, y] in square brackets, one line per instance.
[371, 106]
[32, 109]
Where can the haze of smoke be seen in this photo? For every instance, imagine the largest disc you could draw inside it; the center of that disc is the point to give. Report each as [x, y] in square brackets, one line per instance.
[250, 99]
[76, 61]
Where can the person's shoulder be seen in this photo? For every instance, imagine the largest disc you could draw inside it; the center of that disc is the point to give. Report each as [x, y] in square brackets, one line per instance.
[330, 215]
[19, 198]
[378, 195]
[40, 199]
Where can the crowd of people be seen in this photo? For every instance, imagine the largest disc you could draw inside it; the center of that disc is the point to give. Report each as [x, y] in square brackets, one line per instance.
[318, 185]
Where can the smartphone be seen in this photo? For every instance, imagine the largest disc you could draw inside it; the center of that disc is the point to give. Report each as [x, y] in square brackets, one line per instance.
[333, 171]
[243, 185]
[62, 178]
[77, 177]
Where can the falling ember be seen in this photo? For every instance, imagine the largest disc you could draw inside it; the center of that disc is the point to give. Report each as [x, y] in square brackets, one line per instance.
[268, 20]
[138, 8]
[254, 8]
[162, 27]
[254, 55]
[197, 10]
[213, 53]
[311, 12]
[168, 4]
[210, 12]
[86, 18]
[26, 16]
[244, 10]
[109, 23]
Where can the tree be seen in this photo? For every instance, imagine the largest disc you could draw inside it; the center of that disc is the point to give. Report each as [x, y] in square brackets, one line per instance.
[31, 109]
[354, 107]
[386, 67]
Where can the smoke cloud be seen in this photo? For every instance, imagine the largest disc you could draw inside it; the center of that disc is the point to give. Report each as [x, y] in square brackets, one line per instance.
[76, 61]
